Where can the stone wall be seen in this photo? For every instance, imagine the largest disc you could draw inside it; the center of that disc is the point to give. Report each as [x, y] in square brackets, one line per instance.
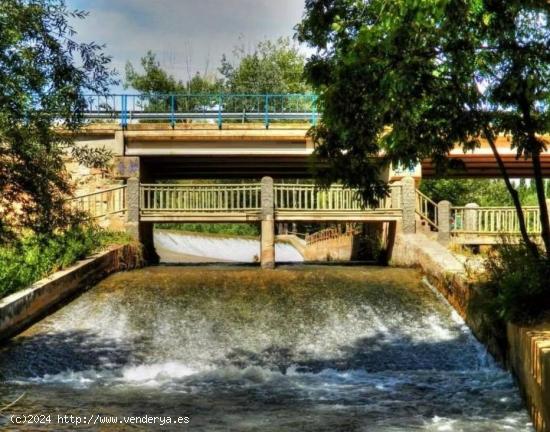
[23, 308]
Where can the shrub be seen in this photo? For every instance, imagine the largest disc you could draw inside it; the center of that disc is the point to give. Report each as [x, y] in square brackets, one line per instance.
[516, 288]
[35, 256]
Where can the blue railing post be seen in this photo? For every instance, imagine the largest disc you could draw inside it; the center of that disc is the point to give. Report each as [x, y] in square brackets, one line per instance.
[172, 111]
[220, 101]
[266, 115]
[124, 111]
[314, 110]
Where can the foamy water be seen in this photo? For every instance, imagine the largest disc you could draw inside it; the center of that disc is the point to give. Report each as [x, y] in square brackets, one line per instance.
[223, 249]
[301, 349]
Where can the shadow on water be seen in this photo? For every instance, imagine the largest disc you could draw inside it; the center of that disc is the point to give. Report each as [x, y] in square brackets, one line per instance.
[76, 350]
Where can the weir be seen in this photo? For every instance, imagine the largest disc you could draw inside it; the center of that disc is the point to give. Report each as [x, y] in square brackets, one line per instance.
[319, 349]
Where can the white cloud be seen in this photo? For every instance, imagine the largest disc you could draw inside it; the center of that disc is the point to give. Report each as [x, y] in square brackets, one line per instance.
[197, 32]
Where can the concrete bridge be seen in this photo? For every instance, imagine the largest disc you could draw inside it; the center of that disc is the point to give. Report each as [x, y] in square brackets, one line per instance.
[267, 203]
[172, 137]
[241, 136]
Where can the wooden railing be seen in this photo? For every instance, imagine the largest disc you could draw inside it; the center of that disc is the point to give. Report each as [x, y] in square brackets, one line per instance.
[427, 209]
[309, 197]
[101, 203]
[200, 197]
[493, 220]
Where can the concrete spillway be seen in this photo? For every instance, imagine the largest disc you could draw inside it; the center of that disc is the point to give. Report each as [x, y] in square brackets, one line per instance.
[175, 247]
[298, 349]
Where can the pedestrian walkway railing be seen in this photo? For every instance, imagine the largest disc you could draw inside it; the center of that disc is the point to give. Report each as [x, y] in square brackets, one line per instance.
[310, 197]
[213, 108]
[493, 220]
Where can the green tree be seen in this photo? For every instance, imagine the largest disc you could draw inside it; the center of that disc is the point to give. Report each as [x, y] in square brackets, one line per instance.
[412, 79]
[272, 67]
[156, 85]
[44, 75]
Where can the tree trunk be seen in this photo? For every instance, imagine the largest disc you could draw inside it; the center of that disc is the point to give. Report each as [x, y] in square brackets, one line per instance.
[544, 221]
[515, 196]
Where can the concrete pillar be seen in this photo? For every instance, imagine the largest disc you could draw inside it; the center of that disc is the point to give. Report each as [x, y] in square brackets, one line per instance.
[267, 251]
[395, 194]
[444, 222]
[132, 207]
[408, 204]
[470, 217]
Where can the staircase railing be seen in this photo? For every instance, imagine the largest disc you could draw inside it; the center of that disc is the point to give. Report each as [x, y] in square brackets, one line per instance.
[101, 203]
[427, 209]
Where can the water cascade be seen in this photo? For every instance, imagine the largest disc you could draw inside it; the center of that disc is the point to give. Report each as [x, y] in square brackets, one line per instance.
[238, 349]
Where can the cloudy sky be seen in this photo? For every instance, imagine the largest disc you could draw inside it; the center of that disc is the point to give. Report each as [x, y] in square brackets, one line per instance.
[187, 35]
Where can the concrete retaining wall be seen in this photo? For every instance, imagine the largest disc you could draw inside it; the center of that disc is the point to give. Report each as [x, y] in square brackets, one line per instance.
[23, 308]
[341, 248]
[529, 359]
[526, 350]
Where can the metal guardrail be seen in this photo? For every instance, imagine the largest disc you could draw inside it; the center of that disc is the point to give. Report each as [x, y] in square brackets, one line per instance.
[265, 108]
[101, 203]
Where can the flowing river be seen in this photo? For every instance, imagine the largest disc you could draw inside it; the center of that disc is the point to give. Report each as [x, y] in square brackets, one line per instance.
[301, 348]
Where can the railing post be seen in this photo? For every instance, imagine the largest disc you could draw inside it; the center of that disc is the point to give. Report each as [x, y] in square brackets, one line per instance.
[266, 119]
[267, 251]
[132, 202]
[220, 101]
[444, 220]
[124, 111]
[470, 217]
[408, 205]
[172, 111]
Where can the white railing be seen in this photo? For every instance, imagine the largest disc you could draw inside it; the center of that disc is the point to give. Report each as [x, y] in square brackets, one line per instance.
[200, 197]
[493, 220]
[101, 203]
[310, 197]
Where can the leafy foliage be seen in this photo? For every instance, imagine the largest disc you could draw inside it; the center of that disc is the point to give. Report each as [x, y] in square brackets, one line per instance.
[272, 67]
[155, 80]
[516, 285]
[412, 79]
[92, 157]
[34, 257]
[44, 74]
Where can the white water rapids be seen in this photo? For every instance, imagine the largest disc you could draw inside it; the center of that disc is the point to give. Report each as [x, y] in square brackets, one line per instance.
[303, 348]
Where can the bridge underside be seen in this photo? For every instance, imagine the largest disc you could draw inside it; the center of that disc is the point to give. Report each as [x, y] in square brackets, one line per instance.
[225, 167]
[288, 166]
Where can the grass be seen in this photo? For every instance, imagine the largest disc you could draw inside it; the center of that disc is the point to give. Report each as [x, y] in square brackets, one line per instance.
[229, 229]
[34, 257]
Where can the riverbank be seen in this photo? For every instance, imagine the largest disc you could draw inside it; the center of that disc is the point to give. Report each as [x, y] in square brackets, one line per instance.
[525, 350]
[25, 307]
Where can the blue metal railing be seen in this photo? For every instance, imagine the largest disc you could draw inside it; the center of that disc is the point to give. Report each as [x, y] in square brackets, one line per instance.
[215, 108]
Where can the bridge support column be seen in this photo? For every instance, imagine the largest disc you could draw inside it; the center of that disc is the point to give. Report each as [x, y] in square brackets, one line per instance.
[408, 205]
[132, 207]
[267, 251]
[139, 231]
[444, 222]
